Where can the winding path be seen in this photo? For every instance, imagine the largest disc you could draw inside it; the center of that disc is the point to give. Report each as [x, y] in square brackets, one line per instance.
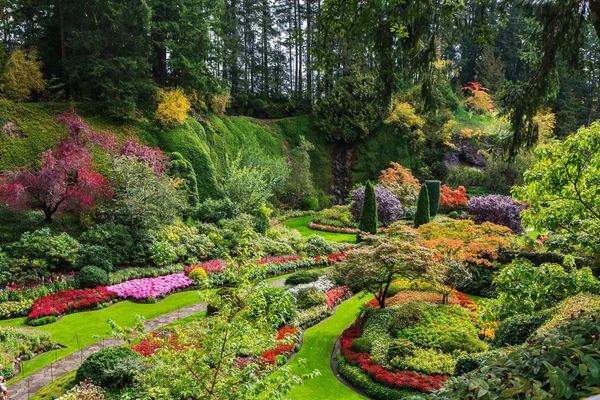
[23, 389]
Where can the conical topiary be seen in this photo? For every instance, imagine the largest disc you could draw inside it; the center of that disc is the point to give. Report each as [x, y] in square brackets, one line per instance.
[368, 215]
[433, 188]
[422, 214]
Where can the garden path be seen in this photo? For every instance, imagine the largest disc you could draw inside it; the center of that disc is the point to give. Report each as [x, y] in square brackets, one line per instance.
[23, 389]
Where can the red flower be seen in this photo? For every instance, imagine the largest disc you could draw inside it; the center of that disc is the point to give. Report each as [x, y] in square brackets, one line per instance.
[69, 300]
[282, 334]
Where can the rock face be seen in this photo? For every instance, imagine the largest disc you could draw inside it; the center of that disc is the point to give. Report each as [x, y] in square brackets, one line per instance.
[467, 154]
[342, 163]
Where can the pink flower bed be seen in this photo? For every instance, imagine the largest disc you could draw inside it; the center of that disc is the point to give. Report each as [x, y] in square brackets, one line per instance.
[278, 260]
[337, 295]
[217, 266]
[146, 287]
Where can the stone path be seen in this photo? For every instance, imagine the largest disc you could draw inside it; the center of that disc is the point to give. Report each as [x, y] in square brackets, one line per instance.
[28, 386]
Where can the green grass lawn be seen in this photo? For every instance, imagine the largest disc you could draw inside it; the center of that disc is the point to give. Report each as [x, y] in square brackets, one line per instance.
[301, 225]
[317, 346]
[56, 388]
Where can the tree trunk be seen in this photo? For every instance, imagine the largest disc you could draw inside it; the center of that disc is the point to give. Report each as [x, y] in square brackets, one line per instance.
[48, 214]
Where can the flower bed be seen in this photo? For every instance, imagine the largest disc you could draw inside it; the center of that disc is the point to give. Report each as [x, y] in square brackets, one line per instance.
[337, 295]
[337, 229]
[289, 334]
[21, 344]
[67, 301]
[151, 287]
[13, 309]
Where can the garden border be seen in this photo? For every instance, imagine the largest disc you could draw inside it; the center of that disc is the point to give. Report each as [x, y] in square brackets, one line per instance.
[334, 368]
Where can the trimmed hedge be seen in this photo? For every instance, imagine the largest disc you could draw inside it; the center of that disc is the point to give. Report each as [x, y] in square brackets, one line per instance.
[433, 189]
[423, 208]
[300, 277]
[42, 321]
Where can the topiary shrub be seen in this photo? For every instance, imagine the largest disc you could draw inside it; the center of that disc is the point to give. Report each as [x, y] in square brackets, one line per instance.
[517, 329]
[96, 367]
[361, 345]
[368, 215]
[423, 209]
[401, 348]
[198, 275]
[95, 255]
[310, 297]
[310, 203]
[433, 190]
[91, 277]
[300, 277]
[462, 341]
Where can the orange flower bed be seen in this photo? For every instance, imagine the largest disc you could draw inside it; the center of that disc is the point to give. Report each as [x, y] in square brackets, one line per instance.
[406, 296]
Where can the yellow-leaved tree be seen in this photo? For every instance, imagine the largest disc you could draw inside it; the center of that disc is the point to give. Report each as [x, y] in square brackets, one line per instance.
[173, 106]
[23, 75]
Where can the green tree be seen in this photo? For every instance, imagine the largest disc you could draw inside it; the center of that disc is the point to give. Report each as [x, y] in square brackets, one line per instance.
[423, 210]
[490, 70]
[182, 169]
[433, 190]
[248, 186]
[299, 182]
[23, 75]
[562, 191]
[368, 214]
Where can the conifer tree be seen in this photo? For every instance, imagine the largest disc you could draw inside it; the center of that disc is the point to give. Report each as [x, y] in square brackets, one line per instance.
[368, 215]
[422, 214]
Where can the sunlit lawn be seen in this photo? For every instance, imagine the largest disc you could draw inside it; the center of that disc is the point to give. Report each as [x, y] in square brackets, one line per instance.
[301, 225]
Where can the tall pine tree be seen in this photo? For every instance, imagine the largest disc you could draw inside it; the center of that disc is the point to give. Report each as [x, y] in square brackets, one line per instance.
[368, 215]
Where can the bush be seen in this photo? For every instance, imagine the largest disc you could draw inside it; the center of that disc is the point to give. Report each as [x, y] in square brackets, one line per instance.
[406, 315]
[317, 245]
[423, 209]
[215, 210]
[198, 275]
[462, 341]
[97, 366]
[501, 210]
[182, 169]
[42, 321]
[453, 215]
[13, 309]
[465, 176]
[368, 214]
[389, 208]
[469, 362]
[339, 216]
[361, 345]
[90, 277]
[427, 361]
[401, 348]
[113, 236]
[95, 255]
[517, 329]
[300, 277]
[173, 106]
[21, 76]
[310, 203]
[310, 297]
[433, 190]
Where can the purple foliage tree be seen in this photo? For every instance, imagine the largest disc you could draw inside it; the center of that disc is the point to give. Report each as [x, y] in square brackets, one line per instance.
[389, 208]
[501, 210]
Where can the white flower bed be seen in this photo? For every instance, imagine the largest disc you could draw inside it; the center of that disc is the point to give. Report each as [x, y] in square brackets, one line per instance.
[323, 284]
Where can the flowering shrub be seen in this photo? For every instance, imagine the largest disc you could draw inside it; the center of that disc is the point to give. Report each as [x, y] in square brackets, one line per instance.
[337, 295]
[288, 335]
[480, 100]
[398, 380]
[213, 266]
[323, 284]
[46, 286]
[12, 309]
[146, 287]
[69, 300]
[84, 391]
[452, 199]
[312, 316]
[401, 183]
[498, 209]
[389, 208]
[151, 343]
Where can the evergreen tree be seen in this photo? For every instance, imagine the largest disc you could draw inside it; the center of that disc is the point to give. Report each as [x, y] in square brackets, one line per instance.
[422, 214]
[433, 190]
[183, 169]
[368, 215]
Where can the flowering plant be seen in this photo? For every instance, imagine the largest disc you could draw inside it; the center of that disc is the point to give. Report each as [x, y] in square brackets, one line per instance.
[287, 337]
[337, 295]
[146, 287]
[501, 210]
[323, 284]
[389, 208]
[69, 300]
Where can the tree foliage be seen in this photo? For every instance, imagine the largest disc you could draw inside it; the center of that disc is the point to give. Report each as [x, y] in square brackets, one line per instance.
[22, 76]
[368, 215]
[173, 106]
[423, 210]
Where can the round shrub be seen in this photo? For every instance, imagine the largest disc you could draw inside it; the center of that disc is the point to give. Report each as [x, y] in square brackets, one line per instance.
[317, 245]
[517, 329]
[8, 371]
[95, 255]
[389, 208]
[501, 210]
[469, 362]
[406, 316]
[98, 366]
[310, 297]
[453, 215]
[361, 345]
[91, 277]
[300, 277]
[42, 321]
[310, 203]
[215, 210]
[198, 275]
[401, 348]
[462, 341]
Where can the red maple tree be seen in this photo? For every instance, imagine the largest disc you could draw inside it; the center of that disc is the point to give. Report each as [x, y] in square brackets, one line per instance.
[452, 199]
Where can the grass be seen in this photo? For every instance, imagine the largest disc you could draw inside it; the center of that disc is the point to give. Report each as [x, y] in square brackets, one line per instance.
[317, 345]
[475, 298]
[301, 225]
[57, 388]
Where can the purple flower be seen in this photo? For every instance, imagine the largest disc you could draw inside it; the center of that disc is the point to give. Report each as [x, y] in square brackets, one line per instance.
[501, 210]
[389, 208]
[146, 287]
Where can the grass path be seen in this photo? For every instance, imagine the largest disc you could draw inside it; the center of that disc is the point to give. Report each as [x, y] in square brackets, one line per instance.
[301, 225]
[317, 345]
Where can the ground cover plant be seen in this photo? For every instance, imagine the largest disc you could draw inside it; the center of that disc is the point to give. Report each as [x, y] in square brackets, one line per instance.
[20, 344]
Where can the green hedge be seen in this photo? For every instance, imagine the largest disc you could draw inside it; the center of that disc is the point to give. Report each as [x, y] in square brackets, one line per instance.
[423, 209]
[433, 188]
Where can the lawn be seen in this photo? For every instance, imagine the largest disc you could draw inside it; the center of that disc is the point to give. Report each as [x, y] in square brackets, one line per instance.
[56, 388]
[317, 345]
[301, 225]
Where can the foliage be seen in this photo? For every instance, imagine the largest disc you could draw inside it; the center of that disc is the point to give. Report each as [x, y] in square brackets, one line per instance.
[423, 208]
[470, 362]
[401, 183]
[407, 314]
[361, 345]
[23, 344]
[13, 309]
[182, 169]
[502, 175]
[97, 367]
[311, 316]
[198, 275]
[90, 277]
[180, 243]
[299, 182]
[389, 208]
[559, 189]
[453, 199]
[310, 297]
[215, 210]
[338, 216]
[113, 236]
[401, 348]
[427, 361]
[525, 289]
[548, 367]
[450, 274]
[173, 106]
[84, 391]
[22, 75]
[310, 203]
[570, 307]
[479, 100]
[405, 118]
[368, 215]
[433, 190]
[95, 255]
[302, 277]
[322, 284]
[518, 328]
[219, 103]
[462, 341]
[374, 269]
[498, 209]
[465, 176]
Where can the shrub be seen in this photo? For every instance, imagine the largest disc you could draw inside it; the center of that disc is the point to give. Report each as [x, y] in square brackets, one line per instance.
[300, 277]
[215, 210]
[113, 236]
[406, 315]
[465, 176]
[427, 361]
[317, 245]
[401, 348]
[339, 216]
[22, 75]
[501, 210]
[452, 199]
[198, 275]
[389, 208]
[401, 183]
[95, 255]
[423, 209]
[13, 309]
[433, 190]
[517, 329]
[182, 169]
[310, 203]
[310, 297]
[312, 316]
[361, 345]
[463, 342]
[173, 106]
[469, 362]
[90, 277]
[572, 307]
[219, 103]
[84, 391]
[42, 321]
[368, 214]
[97, 366]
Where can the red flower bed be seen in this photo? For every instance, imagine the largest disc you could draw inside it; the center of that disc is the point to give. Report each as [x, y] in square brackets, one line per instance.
[396, 380]
[212, 266]
[278, 260]
[69, 300]
[150, 344]
[283, 334]
[337, 295]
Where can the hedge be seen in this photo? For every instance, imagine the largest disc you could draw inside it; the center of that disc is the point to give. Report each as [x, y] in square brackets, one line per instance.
[433, 189]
